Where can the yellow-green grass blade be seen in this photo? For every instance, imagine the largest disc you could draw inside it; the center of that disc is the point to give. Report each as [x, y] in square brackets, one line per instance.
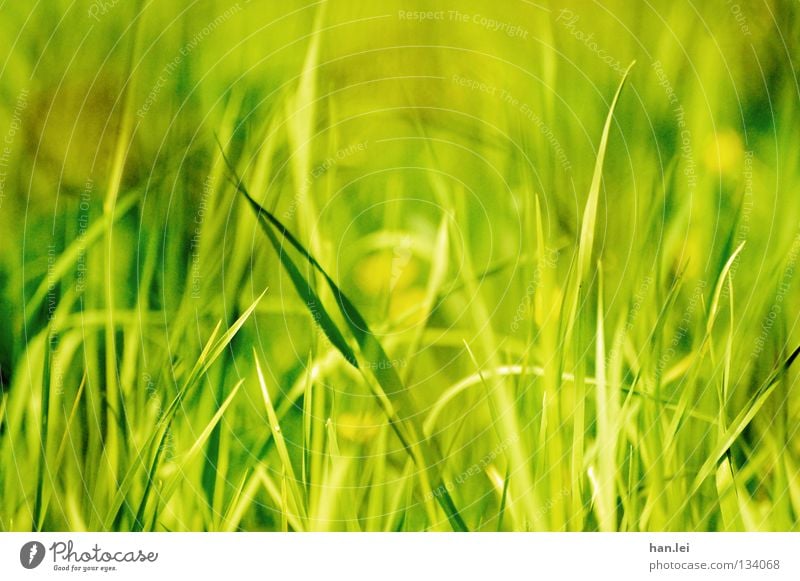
[586, 240]
[793, 484]
[59, 456]
[438, 272]
[607, 401]
[687, 395]
[281, 497]
[169, 489]
[726, 490]
[44, 430]
[290, 480]
[155, 442]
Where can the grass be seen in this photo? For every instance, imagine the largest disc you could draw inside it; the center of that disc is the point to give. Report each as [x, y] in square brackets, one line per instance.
[325, 268]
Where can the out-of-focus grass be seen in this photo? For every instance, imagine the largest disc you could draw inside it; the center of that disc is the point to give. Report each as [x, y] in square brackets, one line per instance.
[557, 340]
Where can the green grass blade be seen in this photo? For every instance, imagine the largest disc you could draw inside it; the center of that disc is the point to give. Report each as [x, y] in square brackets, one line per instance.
[586, 240]
[169, 489]
[280, 443]
[390, 388]
[738, 425]
[155, 442]
[44, 430]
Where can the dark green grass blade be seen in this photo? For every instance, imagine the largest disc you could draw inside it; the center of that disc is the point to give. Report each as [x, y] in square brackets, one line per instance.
[312, 301]
[739, 424]
[371, 348]
[406, 425]
[356, 323]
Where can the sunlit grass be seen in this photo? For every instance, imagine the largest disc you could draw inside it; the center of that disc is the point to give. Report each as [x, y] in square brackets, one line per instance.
[347, 292]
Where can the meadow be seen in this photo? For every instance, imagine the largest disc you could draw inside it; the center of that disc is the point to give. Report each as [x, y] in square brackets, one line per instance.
[338, 266]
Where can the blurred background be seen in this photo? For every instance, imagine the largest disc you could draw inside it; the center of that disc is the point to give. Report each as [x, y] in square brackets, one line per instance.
[363, 126]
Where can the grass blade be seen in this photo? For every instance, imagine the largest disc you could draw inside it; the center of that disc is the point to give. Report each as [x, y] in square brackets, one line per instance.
[395, 399]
